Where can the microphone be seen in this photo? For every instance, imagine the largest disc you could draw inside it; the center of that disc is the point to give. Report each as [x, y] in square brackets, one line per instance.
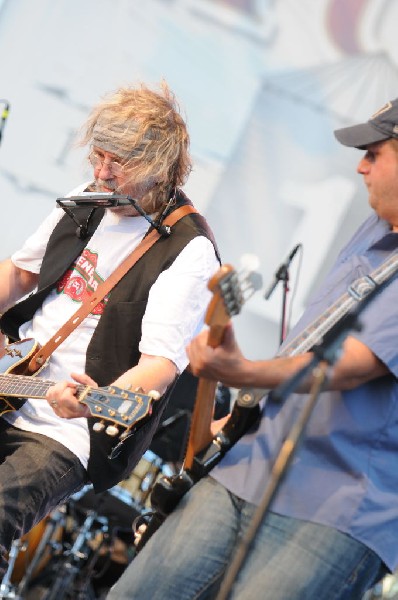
[280, 274]
[4, 116]
[106, 200]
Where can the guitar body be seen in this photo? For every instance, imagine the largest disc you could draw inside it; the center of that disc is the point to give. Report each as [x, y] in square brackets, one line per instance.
[15, 358]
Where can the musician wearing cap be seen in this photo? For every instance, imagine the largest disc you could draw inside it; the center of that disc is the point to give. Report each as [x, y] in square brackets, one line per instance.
[331, 530]
[134, 337]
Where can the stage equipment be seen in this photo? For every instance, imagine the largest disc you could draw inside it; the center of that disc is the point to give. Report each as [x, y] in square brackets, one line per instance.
[282, 274]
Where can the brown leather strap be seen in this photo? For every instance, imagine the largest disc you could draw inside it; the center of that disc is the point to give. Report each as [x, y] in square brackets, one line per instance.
[43, 353]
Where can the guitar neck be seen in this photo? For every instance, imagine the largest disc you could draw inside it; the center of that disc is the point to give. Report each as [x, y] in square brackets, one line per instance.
[22, 386]
[356, 293]
[200, 433]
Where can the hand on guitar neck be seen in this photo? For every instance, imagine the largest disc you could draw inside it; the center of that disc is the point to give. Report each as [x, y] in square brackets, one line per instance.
[62, 397]
[117, 410]
[219, 362]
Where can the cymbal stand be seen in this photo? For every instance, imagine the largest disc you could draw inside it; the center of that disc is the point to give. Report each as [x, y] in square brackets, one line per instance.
[57, 519]
[7, 589]
[76, 557]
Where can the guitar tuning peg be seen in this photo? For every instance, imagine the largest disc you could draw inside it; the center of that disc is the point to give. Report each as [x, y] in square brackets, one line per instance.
[99, 426]
[112, 430]
[154, 394]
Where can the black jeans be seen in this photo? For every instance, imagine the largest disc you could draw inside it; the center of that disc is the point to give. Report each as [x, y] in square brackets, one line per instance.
[36, 475]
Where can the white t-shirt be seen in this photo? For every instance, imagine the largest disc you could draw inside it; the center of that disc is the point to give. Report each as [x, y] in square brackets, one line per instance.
[174, 313]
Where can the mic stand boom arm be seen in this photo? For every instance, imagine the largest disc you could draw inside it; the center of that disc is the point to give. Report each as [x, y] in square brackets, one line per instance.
[282, 274]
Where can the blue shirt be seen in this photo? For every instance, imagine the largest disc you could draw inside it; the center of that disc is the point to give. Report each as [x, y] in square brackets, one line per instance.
[345, 471]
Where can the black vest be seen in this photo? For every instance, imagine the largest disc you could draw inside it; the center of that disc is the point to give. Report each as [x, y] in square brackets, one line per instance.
[113, 348]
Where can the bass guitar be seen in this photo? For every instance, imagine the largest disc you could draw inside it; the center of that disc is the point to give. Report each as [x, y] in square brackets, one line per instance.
[122, 408]
[168, 492]
[230, 291]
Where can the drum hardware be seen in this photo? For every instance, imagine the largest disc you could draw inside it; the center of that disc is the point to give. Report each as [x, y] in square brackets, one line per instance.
[83, 547]
[141, 481]
[72, 558]
[26, 559]
[74, 567]
[7, 589]
[56, 519]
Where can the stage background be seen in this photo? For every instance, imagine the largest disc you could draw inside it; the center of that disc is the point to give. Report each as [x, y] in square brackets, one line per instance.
[262, 83]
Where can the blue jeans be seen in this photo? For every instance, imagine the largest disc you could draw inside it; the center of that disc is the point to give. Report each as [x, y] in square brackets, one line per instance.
[187, 557]
[36, 474]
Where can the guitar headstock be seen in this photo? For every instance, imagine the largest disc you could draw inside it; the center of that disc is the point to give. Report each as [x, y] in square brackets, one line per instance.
[119, 406]
[230, 291]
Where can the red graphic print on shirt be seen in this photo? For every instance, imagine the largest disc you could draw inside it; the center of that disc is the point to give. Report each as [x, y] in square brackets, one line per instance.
[82, 280]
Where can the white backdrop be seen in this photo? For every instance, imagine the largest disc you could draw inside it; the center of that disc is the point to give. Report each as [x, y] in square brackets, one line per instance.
[262, 83]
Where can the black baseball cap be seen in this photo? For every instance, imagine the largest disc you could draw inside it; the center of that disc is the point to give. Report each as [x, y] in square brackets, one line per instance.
[381, 126]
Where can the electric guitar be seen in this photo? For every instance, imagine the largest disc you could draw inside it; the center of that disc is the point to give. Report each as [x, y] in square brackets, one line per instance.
[122, 408]
[203, 448]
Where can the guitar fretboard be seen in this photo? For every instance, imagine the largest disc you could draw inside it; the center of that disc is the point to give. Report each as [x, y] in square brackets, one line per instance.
[357, 292]
[314, 333]
[22, 386]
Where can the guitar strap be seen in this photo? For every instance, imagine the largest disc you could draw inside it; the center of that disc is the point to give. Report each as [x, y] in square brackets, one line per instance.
[103, 289]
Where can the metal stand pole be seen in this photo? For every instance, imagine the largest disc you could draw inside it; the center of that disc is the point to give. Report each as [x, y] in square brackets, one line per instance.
[279, 469]
[324, 356]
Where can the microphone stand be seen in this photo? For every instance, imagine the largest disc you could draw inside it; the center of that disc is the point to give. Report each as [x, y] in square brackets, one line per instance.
[324, 356]
[282, 274]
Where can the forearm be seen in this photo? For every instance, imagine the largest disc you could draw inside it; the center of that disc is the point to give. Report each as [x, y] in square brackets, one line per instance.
[356, 366]
[15, 283]
[151, 373]
[268, 374]
[227, 364]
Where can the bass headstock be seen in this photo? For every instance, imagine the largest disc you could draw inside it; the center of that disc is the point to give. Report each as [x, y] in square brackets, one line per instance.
[230, 291]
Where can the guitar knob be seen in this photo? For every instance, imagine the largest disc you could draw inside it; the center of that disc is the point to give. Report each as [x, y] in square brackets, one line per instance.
[98, 426]
[112, 430]
[154, 394]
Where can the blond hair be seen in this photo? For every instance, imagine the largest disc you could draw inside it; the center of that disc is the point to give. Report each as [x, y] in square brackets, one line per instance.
[145, 129]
